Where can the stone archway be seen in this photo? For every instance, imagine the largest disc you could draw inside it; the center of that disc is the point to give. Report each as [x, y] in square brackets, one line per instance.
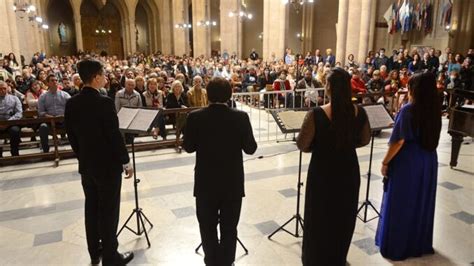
[61, 34]
[102, 28]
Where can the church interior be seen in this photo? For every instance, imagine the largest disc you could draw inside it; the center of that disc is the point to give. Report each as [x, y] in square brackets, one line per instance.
[280, 60]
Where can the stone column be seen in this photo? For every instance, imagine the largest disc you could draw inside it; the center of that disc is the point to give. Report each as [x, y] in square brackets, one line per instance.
[341, 29]
[180, 35]
[78, 28]
[231, 27]
[308, 22]
[166, 24]
[373, 21]
[275, 28]
[364, 36]
[353, 29]
[12, 27]
[201, 34]
[133, 33]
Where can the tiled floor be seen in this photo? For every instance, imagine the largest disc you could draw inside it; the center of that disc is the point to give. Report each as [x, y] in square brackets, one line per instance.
[42, 223]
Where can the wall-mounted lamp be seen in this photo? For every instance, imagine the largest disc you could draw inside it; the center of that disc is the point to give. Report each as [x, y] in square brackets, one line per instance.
[183, 26]
[299, 36]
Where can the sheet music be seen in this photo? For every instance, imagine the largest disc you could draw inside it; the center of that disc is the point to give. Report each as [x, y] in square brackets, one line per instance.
[292, 119]
[125, 116]
[378, 116]
[143, 120]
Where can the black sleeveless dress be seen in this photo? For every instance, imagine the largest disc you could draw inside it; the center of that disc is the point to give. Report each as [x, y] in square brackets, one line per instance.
[332, 194]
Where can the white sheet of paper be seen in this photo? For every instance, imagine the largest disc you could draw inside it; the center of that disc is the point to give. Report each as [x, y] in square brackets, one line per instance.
[143, 120]
[378, 116]
[292, 119]
[125, 116]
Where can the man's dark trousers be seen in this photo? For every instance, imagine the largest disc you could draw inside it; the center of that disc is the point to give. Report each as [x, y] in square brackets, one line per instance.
[226, 213]
[102, 204]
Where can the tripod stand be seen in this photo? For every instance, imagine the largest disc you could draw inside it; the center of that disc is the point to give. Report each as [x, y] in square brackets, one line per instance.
[238, 240]
[137, 211]
[297, 217]
[366, 204]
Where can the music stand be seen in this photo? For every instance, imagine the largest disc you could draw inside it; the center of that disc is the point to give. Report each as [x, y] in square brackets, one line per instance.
[290, 121]
[379, 118]
[135, 121]
[238, 240]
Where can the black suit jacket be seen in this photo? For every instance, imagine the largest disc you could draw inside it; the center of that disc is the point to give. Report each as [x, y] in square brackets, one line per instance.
[218, 134]
[93, 130]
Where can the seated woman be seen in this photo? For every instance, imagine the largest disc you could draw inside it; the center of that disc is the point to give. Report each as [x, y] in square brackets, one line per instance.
[33, 93]
[177, 99]
[154, 99]
[280, 84]
[410, 168]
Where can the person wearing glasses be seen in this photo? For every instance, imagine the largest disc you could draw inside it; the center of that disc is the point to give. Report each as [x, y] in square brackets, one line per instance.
[50, 104]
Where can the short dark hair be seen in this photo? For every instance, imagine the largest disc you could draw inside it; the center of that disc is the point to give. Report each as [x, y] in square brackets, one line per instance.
[218, 90]
[51, 75]
[88, 69]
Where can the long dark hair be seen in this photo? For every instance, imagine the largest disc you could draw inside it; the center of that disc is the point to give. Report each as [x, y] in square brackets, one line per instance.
[426, 109]
[342, 109]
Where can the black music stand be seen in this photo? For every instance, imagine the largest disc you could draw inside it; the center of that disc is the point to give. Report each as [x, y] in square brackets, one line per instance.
[238, 240]
[297, 121]
[379, 118]
[135, 121]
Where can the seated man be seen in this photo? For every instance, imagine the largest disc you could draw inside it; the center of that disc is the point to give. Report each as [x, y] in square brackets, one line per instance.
[128, 97]
[51, 104]
[10, 109]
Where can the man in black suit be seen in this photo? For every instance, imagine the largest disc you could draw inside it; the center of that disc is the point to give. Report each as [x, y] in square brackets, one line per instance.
[93, 131]
[218, 134]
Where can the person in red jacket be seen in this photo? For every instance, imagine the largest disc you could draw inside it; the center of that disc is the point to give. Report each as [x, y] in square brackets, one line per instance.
[357, 84]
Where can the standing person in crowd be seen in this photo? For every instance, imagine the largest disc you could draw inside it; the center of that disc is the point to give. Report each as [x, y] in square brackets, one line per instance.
[350, 62]
[96, 140]
[317, 57]
[332, 132]
[289, 57]
[444, 57]
[433, 61]
[197, 96]
[218, 135]
[10, 109]
[410, 168]
[253, 55]
[381, 60]
[330, 58]
[51, 104]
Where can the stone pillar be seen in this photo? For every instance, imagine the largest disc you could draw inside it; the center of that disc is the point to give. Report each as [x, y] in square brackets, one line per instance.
[231, 27]
[353, 29]
[364, 36]
[275, 28]
[180, 35]
[78, 28]
[201, 34]
[308, 22]
[373, 21]
[133, 33]
[341, 30]
[12, 27]
[166, 24]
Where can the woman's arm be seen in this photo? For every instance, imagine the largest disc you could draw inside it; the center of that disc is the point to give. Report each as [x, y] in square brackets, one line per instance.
[393, 149]
[304, 140]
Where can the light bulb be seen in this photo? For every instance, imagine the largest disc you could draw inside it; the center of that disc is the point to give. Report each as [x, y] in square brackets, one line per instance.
[250, 16]
[39, 19]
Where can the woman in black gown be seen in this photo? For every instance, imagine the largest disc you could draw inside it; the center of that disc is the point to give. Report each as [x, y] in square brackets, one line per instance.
[332, 132]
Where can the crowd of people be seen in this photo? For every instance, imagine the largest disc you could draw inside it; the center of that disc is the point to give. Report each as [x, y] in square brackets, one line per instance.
[58, 86]
[169, 81]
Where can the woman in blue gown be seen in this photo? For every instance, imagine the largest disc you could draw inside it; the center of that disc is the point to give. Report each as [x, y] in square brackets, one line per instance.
[410, 168]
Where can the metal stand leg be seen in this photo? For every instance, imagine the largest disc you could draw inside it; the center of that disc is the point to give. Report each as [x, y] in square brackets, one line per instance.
[141, 218]
[297, 216]
[366, 204]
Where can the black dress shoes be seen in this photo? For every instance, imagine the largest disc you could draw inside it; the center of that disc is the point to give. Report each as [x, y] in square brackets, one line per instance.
[125, 257]
[122, 259]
